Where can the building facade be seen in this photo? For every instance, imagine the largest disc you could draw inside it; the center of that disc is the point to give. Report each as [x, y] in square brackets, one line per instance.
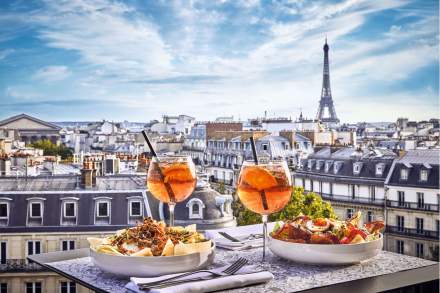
[30, 129]
[351, 179]
[412, 205]
[47, 214]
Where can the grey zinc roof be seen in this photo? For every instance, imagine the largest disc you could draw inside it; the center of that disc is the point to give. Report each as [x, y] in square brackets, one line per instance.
[428, 156]
[65, 183]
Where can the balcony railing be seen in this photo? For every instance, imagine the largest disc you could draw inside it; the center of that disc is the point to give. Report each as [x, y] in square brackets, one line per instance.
[216, 180]
[193, 148]
[20, 266]
[413, 232]
[350, 199]
[413, 205]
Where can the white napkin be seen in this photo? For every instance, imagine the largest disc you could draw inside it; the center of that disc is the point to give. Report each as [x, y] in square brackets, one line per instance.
[244, 277]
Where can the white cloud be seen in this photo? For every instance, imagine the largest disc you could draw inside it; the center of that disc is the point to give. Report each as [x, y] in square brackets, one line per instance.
[106, 34]
[52, 73]
[5, 53]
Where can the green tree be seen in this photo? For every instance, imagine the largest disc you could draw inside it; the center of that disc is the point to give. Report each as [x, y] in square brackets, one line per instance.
[309, 204]
[51, 149]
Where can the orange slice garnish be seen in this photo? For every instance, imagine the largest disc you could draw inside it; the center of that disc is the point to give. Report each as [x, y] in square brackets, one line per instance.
[259, 178]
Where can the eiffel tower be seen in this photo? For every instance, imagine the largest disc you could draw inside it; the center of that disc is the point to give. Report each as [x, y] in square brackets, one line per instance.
[326, 102]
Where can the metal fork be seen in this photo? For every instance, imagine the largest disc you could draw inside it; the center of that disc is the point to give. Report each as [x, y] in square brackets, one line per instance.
[230, 270]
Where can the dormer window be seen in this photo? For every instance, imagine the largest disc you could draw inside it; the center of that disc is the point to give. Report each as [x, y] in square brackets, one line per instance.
[35, 210]
[403, 174]
[379, 169]
[357, 168]
[319, 164]
[4, 211]
[69, 211]
[327, 166]
[102, 210]
[336, 167]
[195, 207]
[309, 164]
[423, 175]
[135, 208]
[264, 146]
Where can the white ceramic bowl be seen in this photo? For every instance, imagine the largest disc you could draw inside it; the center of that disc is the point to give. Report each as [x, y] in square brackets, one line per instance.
[151, 266]
[327, 254]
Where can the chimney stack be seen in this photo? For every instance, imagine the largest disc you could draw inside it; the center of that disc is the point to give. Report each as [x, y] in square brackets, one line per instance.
[88, 174]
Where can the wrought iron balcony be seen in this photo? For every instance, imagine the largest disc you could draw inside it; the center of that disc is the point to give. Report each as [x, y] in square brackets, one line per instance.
[350, 199]
[429, 234]
[216, 180]
[413, 205]
[20, 266]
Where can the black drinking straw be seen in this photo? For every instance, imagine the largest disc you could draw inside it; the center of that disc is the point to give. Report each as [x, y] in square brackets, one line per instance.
[262, 193]
[263, 199]
[153, 152]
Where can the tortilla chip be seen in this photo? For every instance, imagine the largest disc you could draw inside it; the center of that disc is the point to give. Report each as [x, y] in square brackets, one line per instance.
[183, 249]
[191, 228]
[143, 252]
[108, 249]
[119, 232]
[95, 242]
[168, 250]
[357, 239]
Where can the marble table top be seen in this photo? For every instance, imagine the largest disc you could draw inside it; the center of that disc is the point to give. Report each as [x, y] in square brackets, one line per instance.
[289, 276]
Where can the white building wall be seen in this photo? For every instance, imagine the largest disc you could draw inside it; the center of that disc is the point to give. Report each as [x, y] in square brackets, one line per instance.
[430, 195]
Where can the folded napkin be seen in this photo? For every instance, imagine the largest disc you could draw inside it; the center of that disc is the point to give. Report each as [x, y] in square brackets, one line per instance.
[244, 277]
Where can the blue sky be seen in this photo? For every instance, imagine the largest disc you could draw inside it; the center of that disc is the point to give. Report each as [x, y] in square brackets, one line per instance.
[136, 60]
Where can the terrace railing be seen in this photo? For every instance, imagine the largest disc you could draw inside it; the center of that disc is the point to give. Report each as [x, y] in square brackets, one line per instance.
[412, 232]
[413, 205]
[350, 199]
[20, 266]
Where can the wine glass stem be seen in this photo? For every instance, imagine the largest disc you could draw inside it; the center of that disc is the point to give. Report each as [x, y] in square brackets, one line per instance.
[171, 207]
[264, 217]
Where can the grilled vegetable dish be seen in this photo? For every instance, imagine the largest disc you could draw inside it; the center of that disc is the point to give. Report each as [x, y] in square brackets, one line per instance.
[302, 229]
[152, 238]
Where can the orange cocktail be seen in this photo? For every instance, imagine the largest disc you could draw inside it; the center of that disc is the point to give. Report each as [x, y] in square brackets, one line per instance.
[265, 188]
[171, 179]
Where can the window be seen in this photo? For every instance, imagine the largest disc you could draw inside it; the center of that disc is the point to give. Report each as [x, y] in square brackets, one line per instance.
[4, 210]
[423, 175]
[437, 225]
[420, 200]
[379, 169]
[36, 208]
[349, 213]
[135, 208]
[67, 287]
[419, 225]
[33, 247]
[404, 174]
[3, 287]
[70, 209]
[311, 185]
[401, 198]
[3, 249]
[195, 206]
[309, 164]
[33, 287]
[264, 146]
[373, 192]
[353, 191]
[102, 209]
[400, 246]
[420, 250]
[400, 223]
[370, 217]
[356, 168]
[328, 165]
[67, 245]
